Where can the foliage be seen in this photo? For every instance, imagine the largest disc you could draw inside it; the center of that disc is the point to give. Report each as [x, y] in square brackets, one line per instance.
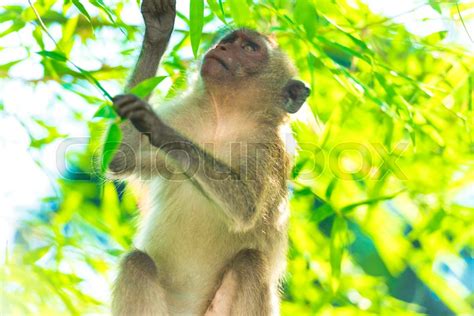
[386, 146]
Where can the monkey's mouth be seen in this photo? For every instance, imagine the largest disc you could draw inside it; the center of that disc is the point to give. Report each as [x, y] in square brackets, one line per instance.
[219, 60]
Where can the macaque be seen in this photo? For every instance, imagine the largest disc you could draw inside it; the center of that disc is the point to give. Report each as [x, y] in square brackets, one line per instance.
[214, 240]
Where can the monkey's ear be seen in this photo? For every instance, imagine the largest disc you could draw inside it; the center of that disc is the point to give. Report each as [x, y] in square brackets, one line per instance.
[295, 93]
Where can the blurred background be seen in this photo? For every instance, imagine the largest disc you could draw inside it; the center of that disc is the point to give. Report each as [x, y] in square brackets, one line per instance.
[382, 189]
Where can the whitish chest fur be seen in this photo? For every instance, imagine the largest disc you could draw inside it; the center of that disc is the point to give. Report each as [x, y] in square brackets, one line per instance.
[189, 242]
[184, 232]
[181, 231]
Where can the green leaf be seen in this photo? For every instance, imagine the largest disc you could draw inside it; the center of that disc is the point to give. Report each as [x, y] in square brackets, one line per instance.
[321, 213]
[91, 99]
[35, 255]
[341, 49]
[196, 20]
[69, 30]
[348, 208]
[100, 4]
[106, 111]
[16, 26]
[216, 8]
[435, 5]
[145, 87]
[38, 36]
[53, 55]
[182, 17]
[338, 243]
[436, 37]
[221, 6]
[330, 188]
[241, 13]
[10, 12]
[6, 67]
[306, 15]
[88, 75]
[111, 144]
[81, 8]
[298, 167]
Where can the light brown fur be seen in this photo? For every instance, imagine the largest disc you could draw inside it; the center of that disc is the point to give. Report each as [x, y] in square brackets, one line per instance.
[214, 238]
[186, 234]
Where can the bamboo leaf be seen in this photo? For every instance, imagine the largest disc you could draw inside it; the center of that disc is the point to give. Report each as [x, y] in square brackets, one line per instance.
[146, 87]
[196, 23]
[435, 5]
[53, 55]
[217, 9]
[88, 75]
[82, 9]
[321, 213]
[10, 12]
[106, 111]
[111, 144]
[38, 36]
[100, 4]
[346, 209]
[306, 15]
[338, 243]
[15, 27]
[330, 188]
[5, 67]
[241, 13]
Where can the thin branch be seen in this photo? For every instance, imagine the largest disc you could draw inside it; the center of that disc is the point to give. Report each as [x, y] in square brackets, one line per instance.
[462, 21]
[84, 72]
[43, 26]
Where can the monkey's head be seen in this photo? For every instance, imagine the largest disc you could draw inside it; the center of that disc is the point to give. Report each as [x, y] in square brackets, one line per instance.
[247, 61]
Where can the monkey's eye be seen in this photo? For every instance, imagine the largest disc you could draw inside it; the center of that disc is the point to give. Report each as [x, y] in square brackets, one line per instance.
[250, 46]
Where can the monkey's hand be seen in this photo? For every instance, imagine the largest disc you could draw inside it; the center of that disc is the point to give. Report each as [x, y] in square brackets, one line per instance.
[159, 18]
[139, 112]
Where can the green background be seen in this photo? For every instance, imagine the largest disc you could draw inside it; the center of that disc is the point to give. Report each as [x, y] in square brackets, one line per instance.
[385, 148]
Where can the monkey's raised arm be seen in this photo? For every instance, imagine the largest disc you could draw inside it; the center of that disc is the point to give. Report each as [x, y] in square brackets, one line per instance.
[159, 16]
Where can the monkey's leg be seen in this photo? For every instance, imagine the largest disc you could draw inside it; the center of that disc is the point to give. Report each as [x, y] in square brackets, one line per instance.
[245, 287]
[137, 290]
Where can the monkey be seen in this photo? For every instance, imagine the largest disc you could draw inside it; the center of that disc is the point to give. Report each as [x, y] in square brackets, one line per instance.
[214, 240]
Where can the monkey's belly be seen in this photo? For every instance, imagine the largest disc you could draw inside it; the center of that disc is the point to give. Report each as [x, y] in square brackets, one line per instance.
[190, 245]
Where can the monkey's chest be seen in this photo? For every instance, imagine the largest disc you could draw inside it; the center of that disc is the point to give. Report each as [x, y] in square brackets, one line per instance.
[190, 243]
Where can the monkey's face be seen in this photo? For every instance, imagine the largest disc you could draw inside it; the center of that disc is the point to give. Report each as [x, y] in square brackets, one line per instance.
[238, 55]
[247, 57]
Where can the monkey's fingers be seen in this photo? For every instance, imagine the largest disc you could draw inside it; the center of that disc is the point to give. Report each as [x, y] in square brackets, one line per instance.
[122, 99]
[128, 108]
[123, 104]
[143, 120]
[158, 6]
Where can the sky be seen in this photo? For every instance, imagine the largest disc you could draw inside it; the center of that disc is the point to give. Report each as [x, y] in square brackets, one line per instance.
[24, 183]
